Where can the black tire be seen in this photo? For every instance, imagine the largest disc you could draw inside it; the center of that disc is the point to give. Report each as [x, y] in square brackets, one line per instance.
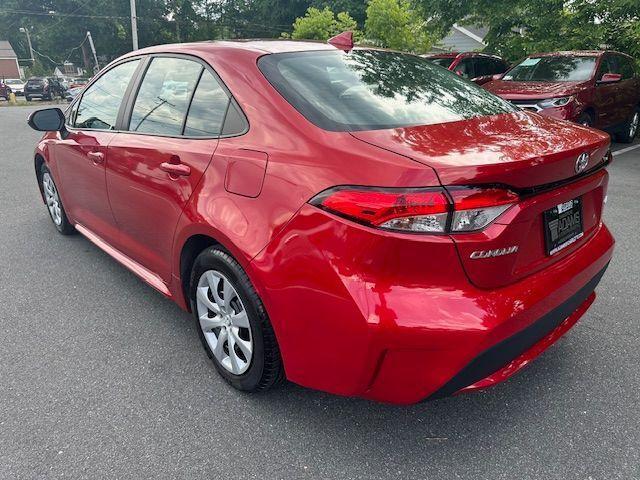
[28, 99]
[65, 227]
[629, 132]
[265, 369]
[585, 119]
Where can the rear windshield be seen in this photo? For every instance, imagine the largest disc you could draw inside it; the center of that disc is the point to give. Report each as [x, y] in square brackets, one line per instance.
[443, 62]
[35, 81]
[371, 89]
[563, 68]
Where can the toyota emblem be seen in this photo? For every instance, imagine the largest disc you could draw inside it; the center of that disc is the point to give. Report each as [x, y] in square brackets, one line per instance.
[582, 162]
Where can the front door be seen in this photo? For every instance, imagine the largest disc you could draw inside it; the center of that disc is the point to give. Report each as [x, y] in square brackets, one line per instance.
[154, 168]
[82, 154]
[607, 95]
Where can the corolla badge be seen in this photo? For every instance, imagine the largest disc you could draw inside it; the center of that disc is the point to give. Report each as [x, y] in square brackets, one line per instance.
[582, 162]
[498, 252]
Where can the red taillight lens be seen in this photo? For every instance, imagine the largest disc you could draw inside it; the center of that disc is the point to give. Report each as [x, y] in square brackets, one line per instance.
[418, 210]
[475, 208]
[427, 210]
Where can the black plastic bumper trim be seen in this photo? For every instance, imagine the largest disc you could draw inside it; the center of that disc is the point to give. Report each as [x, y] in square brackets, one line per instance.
[499, 355]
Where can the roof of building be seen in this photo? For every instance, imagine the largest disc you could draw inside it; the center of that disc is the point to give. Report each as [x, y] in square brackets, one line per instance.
[6, 51]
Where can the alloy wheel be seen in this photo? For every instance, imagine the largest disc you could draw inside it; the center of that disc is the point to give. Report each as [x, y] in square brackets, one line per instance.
[52, 198]
[224, 322]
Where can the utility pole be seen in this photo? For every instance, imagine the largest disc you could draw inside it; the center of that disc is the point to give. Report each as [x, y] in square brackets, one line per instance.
[26, 30]
[93, 50]
[134, 25]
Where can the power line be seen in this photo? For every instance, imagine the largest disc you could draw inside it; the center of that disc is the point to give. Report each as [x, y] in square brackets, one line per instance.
[59, 14]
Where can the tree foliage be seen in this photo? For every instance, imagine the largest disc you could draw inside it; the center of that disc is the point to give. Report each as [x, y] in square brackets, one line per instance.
[516, 27]
[322, 24]
[394, 24]
[520, 27]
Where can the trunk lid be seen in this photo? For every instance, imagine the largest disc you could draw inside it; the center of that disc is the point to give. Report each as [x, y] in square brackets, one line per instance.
[520, 149]
[534, 156]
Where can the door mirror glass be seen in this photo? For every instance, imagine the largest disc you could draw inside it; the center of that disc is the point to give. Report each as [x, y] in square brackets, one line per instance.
[610, 78]
[47, 120]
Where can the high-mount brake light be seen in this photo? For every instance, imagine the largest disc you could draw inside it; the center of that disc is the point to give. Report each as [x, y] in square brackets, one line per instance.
[418, 210]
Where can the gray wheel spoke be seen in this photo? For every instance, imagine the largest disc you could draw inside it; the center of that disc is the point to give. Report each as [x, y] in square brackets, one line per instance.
[214, 281]
[243, 345]
[218, 351]
[233, 356]
[208, 324]
[204, 298]
[240, 319]
[228, 293]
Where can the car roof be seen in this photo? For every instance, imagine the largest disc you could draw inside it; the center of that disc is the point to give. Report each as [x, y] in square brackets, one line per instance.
[255, 45]
[571, 53]
[462, 54]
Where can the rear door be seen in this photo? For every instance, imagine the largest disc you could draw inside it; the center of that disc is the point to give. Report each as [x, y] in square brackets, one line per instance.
[173, 124]
[81, 155]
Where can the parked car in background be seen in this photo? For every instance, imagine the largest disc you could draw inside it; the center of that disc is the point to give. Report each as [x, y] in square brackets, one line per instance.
[362, 221]
[43, 88]
[5, 90]
[71, 93]
[595, 88]
[58, 87]
[477, 67]
[77, 82]
[16, 85]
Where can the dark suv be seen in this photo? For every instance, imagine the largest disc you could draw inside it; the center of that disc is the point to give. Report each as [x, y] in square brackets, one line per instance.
[43, 88]
[594, 88]
[5, 90]
[477, 67]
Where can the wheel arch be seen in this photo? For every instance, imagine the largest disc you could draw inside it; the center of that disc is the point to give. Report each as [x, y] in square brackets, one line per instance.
[192, 247]
[38, 161]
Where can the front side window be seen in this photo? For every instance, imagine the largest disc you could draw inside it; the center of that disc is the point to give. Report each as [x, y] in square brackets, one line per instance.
[372, 89]
[99, 105]
[164, 95]
[560, 68]
[207, 109]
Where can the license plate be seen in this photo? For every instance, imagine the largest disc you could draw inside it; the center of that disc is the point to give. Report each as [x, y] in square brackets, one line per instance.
[563, 225]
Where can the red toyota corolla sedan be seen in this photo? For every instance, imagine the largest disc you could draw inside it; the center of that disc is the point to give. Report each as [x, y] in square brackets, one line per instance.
[354, 220]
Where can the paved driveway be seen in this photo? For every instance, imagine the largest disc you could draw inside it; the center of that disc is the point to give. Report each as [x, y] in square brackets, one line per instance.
[101, 377]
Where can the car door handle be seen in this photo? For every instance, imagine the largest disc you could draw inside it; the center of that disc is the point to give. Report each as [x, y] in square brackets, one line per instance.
[177, 169]
[96, 157]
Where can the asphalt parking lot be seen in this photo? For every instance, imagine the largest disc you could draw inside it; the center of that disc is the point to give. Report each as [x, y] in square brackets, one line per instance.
[101, 377]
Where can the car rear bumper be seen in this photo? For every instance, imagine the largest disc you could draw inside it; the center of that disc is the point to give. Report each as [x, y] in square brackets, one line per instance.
[394, 318]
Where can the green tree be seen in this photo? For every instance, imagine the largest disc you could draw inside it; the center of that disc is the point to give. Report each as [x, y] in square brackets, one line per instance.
[394, 24]
[521, 27]
[322, 24]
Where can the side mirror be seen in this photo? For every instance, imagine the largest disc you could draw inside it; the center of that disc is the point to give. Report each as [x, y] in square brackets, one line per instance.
[47, 120]
[610, 78]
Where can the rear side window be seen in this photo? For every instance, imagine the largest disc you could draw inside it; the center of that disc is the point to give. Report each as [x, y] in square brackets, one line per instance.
[99, 105]
[163, 98]
[373, 89]
[208, 108]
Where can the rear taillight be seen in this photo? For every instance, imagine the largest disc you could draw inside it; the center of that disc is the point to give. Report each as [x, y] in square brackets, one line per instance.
[475, 208]
[418, 210]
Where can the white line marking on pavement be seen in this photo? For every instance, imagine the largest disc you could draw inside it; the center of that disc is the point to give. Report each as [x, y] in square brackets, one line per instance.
[625, 150]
